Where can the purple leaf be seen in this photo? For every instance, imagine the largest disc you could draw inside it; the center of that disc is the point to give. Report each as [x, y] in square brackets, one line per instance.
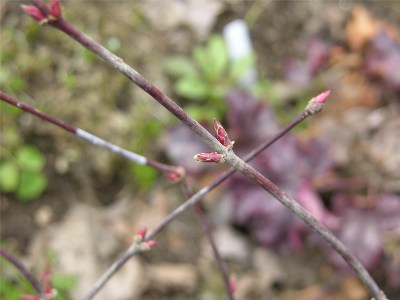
[383, 62]
[181, 145]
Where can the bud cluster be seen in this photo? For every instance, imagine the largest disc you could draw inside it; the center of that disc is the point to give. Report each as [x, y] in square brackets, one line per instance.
[44, 13]
[223, 138]
[139, 240]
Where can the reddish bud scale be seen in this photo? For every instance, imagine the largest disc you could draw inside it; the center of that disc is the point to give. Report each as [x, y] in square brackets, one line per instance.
[141, 234]
[209, 157]
[151, 243]
[145, 246]
[35, 13]
[222, 136]
[176, 175]
[55, 9]
[233, 284]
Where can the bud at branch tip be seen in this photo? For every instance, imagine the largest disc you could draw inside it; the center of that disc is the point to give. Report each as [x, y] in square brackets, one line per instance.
[316, 104]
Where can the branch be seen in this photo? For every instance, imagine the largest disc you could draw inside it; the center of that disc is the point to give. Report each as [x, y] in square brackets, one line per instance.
[20, 266]
[208, 230]
[200, 194]
[229, 156]
[173, 173]
[221, 265]
[138, 245]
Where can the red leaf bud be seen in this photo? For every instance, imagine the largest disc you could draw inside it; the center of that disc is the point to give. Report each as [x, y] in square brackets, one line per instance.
[55, 9]
[145, 246]
[34, 12]
[317, 103]
[141, 234]
[209, 157]
[222, 136]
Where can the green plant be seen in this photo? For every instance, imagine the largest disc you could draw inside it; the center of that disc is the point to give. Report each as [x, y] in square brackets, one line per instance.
[22, 173]
[206, 77]
[16, 284]
[21, 165]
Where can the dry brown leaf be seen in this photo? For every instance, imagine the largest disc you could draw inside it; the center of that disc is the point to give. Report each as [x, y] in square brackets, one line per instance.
[361, 28]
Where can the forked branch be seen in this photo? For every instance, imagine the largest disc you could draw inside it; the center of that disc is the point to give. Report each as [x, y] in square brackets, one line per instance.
[52, 17]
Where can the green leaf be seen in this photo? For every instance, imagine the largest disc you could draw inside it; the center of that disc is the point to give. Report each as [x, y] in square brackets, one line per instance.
[201, 113]
[193, 88]
[9, 175]
[241, 66]
[218, 92]
[9, 290]
[64, 283]
[144, 176]
[10, 139]
[113, 44]
[218, 56]
[69, 80]
[30, 158]
[265, 90]
[202, 59]
[88, 56]
[31, 185]
[9, 109]
[179, 66]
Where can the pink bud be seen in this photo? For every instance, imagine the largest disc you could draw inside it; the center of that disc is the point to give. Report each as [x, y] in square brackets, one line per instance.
[176, 175]
[151, 243]
[147, 245]
[317, 103]
[141, 234]
[222, 135]
[34, 12]
[209, 157]
[55, 9]
[233, 283]
[321, 98]
[30, 297]
[172, 176]
[46, 278]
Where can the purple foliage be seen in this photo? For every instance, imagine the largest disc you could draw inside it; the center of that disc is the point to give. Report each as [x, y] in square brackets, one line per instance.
[181, 145]
[249, 120]
[301, 72]
[291, 164]
[364, 228]
[383, 61]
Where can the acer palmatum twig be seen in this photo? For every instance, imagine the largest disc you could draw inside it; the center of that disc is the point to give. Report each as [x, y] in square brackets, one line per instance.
[228, 154]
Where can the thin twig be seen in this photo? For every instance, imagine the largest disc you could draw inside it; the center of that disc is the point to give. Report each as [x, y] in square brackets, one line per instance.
[199, 210]
[200, 194]
[221, 178]
[21, 267]
[221, 265]
[117, 264]
[169, 170]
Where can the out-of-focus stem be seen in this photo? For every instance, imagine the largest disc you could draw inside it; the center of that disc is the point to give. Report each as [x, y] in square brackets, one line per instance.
[136, 158]
[20, 266]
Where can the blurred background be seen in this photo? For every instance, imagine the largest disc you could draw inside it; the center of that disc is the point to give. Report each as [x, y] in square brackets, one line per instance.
[77, 206]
